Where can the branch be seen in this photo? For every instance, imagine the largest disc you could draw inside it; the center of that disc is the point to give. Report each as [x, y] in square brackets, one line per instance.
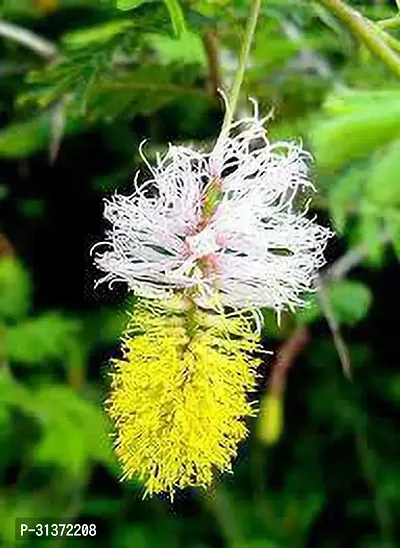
[352, 258]
[286, 356]
[338, 339]
[366, 32]
[211, 47]
[27, 38]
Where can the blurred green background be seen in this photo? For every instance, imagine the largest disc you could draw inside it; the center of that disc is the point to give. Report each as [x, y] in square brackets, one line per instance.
[321, 468]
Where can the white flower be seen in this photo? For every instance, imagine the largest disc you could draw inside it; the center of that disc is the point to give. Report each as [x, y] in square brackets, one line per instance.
[223, 225]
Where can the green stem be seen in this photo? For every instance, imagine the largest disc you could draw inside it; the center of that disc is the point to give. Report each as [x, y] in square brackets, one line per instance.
[233, 96]
[392, 23]
[366, 32]
[177, 17]
[390, 40]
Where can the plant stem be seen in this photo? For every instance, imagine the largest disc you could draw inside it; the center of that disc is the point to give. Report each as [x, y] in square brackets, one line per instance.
[334, 327]
[352, 258]
[390, 40]
[234, 93]
[392, 23]
[29, 39]
[366, 32]
[211, 48]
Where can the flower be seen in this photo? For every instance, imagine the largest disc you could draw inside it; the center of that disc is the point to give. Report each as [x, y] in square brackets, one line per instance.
[179, 402]
[224, 226]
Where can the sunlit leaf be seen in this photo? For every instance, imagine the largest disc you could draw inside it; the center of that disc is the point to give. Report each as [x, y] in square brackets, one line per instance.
[40, 340]
[383, 181]
[75, 431]
[347, 137]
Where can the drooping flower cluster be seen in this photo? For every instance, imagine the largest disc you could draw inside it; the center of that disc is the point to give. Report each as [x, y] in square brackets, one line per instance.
[205, 232]
[224, 224]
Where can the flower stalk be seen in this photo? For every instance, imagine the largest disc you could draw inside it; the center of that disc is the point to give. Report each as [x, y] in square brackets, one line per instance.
[233, 97]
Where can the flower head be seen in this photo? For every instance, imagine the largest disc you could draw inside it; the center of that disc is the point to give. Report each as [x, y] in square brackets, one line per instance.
[223, 225]
[178, 401]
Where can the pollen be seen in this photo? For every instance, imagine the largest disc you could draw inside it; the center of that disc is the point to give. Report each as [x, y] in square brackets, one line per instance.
[179, 395]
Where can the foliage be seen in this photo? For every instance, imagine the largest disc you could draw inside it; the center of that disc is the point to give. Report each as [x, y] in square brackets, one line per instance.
[71, 122]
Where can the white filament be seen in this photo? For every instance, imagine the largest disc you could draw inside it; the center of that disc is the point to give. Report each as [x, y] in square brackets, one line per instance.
[256, 249]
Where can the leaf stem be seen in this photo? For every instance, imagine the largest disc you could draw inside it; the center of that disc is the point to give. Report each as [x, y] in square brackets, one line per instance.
[234, 93]
[366, 32]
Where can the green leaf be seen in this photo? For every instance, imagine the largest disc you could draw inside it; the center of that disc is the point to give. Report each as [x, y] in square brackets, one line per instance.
[15, 289]
[37, 340]
[344, 196]
[15, 395]
[383, 183]
[350, 301]
[348, 101]
[143, 91]
[177, 17]
[22, 139]
[129, 4]
[90, 36]
[94, 81]
[75, 431]
[338, 141]
[187, 49]
[368, 233]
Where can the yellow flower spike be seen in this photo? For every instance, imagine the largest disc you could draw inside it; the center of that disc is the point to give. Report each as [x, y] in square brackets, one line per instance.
[179, 402]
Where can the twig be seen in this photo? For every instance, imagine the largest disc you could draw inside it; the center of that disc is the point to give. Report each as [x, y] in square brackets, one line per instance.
[286, 356]
[366, 32]
[338, 339]
[58, 119]
[29, 39]
[211, 47]
[352, 258]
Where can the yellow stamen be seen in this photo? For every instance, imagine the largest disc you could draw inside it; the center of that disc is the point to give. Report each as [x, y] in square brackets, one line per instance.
[179, 400]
